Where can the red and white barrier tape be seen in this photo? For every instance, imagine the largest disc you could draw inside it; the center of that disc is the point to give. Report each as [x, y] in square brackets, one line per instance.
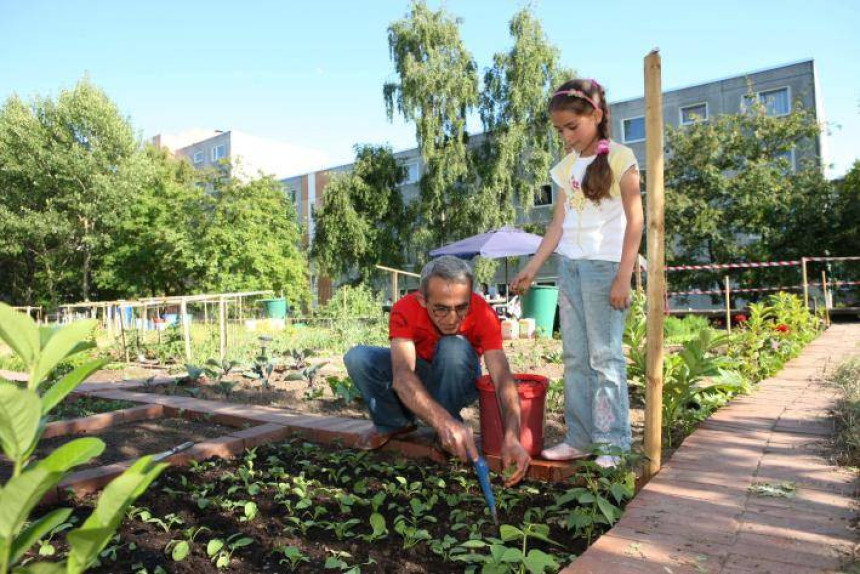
[852, 258]
[732, 266]
[760, 289]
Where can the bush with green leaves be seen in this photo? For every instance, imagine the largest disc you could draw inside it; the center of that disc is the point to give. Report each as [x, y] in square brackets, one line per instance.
[352, 301]
[23, 413]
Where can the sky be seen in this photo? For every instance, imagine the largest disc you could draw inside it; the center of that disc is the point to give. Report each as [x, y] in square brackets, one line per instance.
[311, 74]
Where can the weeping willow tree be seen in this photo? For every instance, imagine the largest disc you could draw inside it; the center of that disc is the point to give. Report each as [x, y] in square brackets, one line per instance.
[437, 88]
[471, 189]
[515, 157]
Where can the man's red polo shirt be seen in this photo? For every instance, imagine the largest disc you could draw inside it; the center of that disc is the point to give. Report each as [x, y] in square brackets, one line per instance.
[409, 320]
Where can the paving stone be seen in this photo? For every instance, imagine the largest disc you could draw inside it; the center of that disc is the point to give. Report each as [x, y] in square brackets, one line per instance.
[756, 565]
[614, 554]
[786, 550]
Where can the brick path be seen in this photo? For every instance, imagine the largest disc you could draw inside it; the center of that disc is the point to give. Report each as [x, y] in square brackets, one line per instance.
[698, 515]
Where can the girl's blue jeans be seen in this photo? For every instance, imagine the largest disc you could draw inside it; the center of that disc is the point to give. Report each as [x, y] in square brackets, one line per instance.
[597, 408]
[449, 378]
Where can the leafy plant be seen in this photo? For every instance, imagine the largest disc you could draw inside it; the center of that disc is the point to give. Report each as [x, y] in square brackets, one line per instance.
[503, 558]
[221, 551]
[179, 549]
[308, 374]
[343, 388]
[22, 420]
[292, 556]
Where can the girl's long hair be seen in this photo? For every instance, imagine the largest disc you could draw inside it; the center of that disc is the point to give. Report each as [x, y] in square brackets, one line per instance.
[598, 176]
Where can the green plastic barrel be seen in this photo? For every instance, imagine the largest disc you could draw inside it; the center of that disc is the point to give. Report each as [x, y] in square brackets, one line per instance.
[539, 304]
[274, 308]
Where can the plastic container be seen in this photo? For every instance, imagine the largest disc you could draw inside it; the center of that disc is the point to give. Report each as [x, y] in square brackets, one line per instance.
[510, 329]
[274, 308]
[527, 328]
[539, 304]
[532, 390]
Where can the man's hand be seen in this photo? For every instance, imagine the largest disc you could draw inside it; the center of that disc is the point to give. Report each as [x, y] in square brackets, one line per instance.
[457, 439]
[515, 455]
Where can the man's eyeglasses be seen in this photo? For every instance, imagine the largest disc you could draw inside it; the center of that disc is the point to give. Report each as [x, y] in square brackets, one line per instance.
[442, 311]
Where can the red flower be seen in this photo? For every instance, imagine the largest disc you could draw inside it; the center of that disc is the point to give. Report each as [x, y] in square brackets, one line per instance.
[740, 318]
[782, 328]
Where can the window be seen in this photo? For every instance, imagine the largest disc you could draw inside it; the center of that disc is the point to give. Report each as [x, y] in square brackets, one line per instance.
[198, 157]
[219, 152]
[290, 192]
[788, 157]
[694, 113]
[544, 195]
[634, 129]
[412, 173]
[775, 102]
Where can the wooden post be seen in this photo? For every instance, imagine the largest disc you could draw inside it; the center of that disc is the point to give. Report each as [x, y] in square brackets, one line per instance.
[186, 328]
[394, 288]
[805, 284]
[824, 292]
[122, 333]
[656, 279]
[222, 320]
[728, 307]
[205, 313]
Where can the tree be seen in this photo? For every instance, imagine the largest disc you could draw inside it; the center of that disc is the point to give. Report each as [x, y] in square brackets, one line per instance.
[155, 244]
[731, 192]
[846, 214]
[250, 239]
[519, 146]
[62, 166]
[438, 87]
[363, 220]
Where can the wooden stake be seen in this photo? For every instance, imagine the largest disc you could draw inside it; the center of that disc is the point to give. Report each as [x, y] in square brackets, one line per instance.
[728, 307]
[394, 288]
[222, 320]
[805, 284]
[186, 328]
[656, 260]
[122, 333]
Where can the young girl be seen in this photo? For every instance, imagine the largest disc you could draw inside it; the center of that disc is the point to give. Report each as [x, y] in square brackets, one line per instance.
[596, 230]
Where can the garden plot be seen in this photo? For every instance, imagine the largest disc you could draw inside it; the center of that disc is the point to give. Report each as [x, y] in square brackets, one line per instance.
[300, 506]
[128, 440]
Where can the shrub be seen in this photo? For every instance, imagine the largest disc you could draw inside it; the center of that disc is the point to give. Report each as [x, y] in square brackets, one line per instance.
[23, 412]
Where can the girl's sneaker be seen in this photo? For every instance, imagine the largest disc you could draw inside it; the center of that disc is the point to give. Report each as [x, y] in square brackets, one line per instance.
[562, 451]
[607, 461]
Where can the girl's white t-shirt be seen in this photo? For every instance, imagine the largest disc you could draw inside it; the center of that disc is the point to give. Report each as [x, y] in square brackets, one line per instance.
[590, 230]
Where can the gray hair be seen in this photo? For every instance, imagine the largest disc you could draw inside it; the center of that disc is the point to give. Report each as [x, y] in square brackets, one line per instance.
[450, 268]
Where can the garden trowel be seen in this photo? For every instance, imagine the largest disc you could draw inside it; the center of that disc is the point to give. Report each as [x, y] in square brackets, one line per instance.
[484, 479]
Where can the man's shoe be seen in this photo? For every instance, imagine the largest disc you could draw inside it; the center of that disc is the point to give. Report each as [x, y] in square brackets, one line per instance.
[562, 451]
[374, 440]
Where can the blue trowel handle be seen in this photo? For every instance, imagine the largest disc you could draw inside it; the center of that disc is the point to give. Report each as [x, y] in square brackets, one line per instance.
[484, 479]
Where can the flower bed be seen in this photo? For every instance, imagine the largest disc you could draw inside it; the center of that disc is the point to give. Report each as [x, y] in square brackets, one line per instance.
[314, 508]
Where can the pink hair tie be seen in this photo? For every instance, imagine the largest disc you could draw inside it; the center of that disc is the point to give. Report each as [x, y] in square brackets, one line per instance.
[602, 147]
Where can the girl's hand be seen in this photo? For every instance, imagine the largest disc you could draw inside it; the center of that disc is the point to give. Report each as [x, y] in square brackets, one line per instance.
[619, 295]
[523, 281]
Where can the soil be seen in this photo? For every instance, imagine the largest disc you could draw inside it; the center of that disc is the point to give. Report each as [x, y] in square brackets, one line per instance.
[540, 357]
[277, 469]
[132, 440]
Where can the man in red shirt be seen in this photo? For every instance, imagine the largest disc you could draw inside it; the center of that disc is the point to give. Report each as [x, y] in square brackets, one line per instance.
[437, 337]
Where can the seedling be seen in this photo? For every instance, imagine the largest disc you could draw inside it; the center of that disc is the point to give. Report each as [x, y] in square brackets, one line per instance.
[221, 551]
[292, 556]
[180, 548]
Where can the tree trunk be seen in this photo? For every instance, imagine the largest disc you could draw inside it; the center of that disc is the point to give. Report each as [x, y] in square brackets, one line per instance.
[87, 261]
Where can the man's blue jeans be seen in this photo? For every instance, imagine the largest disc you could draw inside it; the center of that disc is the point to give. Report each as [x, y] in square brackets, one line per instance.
[597, 408]
[449, 378]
